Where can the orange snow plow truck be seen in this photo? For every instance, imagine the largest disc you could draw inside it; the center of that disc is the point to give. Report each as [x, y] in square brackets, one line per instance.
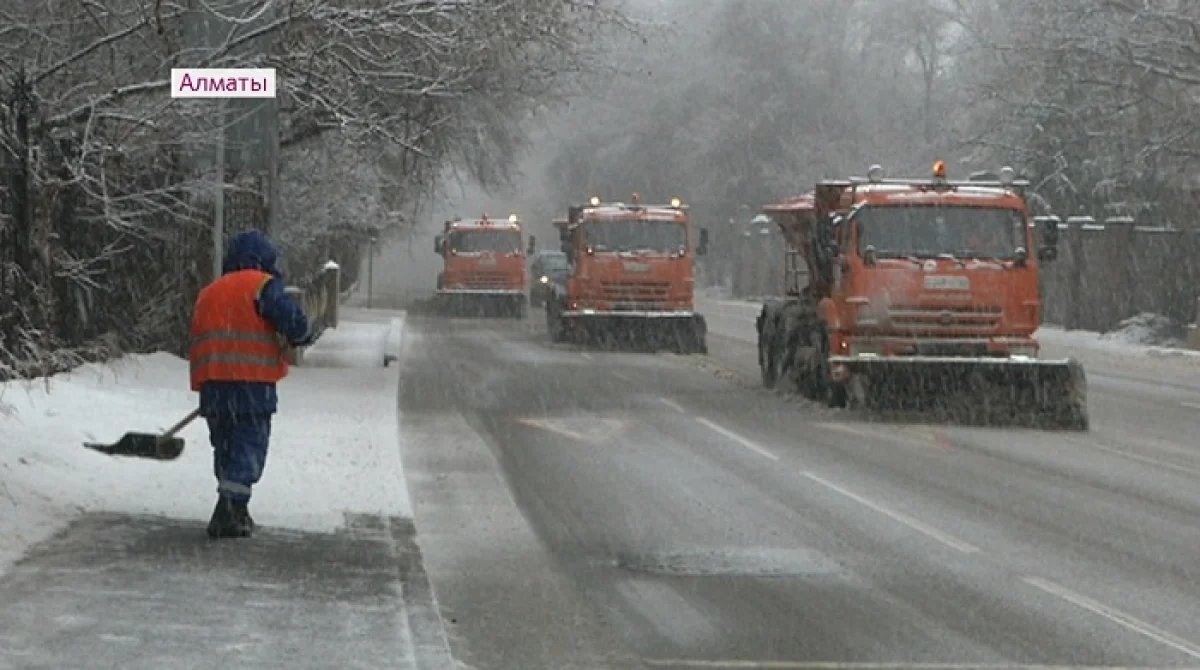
[912, 294]
[483, 268]
[630, 277]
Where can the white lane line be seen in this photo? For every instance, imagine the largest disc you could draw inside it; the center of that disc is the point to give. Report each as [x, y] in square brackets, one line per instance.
[838, 665]
[673, 405]
[920, 527]
[623, 377]
[1116, 616]
[1137, 457]
[737, 438]
[907, 435]
[586, 355]
[1191, 405]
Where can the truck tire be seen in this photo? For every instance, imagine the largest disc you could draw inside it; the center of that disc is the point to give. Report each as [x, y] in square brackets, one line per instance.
[768, 351]
[833, 394]
[554, 324]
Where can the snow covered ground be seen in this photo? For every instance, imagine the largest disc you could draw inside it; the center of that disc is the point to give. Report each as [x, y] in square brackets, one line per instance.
[334, 446]
[1146, 334]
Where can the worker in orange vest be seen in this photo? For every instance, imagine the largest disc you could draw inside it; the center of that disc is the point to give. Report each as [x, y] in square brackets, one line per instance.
[240, 325]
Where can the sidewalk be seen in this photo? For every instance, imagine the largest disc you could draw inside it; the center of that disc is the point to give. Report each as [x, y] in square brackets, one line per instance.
[120, 573]
[334, 448]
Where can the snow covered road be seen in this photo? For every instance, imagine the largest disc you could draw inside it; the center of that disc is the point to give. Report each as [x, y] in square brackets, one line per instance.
[633, 510]
[588, 509]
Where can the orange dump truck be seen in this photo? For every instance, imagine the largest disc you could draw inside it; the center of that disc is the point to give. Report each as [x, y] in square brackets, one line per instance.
[630, 277]
[904, 293]
[483, 267]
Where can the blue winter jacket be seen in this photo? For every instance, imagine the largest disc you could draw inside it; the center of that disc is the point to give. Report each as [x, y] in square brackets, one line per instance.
[252, 250]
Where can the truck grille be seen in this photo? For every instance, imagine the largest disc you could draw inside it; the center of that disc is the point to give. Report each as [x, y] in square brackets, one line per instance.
[485, 280]
[634, 291]
[937, 319]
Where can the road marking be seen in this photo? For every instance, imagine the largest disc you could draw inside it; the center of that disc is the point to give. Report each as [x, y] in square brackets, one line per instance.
[1116, 616]
[1191, 405]
[1137, 457]
[623, 377]
[552, 426]
[673, 405]
[583, 429]
[838, 665]
[948, 540]
[903, 434]
[586, 355]
[738, 438]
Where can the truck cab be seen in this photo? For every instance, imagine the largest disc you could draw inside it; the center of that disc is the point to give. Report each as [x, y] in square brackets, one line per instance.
[908, 290]
[483, 266]
[631, 275]
[934, 268]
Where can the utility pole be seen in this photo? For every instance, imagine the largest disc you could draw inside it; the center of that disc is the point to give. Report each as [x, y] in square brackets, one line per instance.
[218, 232]
[272, 157]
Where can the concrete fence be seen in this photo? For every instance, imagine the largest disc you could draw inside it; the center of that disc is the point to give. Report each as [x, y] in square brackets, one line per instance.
[1110, 271]
[319, 296]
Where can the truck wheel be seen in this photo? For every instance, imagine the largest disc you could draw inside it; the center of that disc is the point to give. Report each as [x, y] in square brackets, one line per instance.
[768, 361]
[554, 324]
[833, 394]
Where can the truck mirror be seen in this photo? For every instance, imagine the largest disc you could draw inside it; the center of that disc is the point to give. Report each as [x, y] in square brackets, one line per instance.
[438, 244]
[532, 245]
[702, 247]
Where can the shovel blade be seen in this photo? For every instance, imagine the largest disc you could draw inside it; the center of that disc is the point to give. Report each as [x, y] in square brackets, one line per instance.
[142, 445]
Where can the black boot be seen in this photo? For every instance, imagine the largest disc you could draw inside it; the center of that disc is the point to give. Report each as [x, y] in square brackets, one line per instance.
[242, 511]
[228, 521]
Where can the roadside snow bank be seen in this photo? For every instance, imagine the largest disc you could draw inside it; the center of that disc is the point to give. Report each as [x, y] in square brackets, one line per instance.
[334, 447]
[1145, 334]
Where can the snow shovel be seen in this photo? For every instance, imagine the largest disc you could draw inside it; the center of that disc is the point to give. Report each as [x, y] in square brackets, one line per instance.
[165, 447]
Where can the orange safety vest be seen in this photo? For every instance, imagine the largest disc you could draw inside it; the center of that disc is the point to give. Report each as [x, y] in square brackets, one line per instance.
[231, 342]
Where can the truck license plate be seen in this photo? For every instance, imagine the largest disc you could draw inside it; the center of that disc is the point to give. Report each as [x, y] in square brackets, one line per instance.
[947, 283]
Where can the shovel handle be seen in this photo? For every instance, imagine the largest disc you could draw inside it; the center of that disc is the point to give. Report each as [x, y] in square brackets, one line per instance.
[181, 425]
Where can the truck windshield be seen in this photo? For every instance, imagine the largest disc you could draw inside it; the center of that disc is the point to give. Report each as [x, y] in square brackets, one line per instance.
[927, 231]
[645, 236]
[495, 241]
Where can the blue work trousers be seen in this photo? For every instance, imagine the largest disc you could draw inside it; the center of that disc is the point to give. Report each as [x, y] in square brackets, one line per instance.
[239, 452]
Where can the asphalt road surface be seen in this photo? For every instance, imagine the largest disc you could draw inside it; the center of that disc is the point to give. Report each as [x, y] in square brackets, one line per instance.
[589, 509]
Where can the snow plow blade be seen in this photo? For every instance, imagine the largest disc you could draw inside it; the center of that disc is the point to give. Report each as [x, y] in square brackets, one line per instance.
[1045, 393]
[478, 304]
[682, 332]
